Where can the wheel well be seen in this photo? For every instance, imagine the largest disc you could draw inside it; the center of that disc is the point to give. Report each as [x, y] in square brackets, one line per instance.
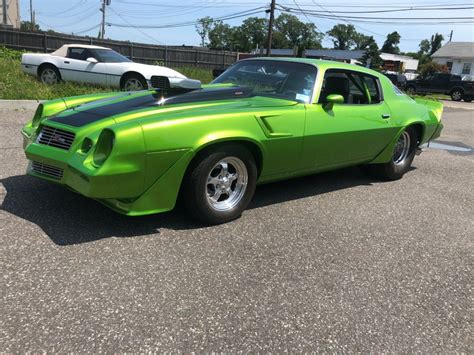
[128, 74]
[252, 147]
[419, 131]
[45, 65]
[457, 88]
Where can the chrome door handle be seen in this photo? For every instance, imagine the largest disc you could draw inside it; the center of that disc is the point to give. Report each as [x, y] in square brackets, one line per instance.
[385, 115]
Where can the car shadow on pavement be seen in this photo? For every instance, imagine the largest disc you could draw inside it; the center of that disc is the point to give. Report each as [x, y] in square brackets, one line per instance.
[69, 218]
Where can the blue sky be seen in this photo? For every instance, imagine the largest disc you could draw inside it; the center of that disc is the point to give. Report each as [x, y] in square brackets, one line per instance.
[82, 15]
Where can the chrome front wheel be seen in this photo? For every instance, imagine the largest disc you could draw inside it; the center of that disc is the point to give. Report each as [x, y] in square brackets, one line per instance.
[220, 183]
[226, 184]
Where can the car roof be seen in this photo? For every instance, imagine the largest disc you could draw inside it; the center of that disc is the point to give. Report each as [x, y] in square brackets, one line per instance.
[320, 64]
[62, 51]
[84, 46]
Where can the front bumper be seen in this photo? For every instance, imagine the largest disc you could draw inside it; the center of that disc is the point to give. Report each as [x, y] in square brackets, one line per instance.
[122, 187]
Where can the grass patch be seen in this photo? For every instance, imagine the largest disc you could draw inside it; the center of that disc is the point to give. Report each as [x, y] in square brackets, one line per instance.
[16, 85]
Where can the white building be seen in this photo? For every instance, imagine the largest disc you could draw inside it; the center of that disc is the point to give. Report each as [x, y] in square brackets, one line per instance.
[399, 63]
[13, 14]
[457, 56]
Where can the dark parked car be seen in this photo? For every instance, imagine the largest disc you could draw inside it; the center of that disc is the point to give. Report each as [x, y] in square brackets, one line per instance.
[440, 83]
[399, 80]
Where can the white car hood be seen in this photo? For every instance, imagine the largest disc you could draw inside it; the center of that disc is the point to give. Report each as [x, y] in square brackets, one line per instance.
[150, 70]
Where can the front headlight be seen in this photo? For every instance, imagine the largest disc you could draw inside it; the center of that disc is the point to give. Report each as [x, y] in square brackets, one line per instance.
[104, 147]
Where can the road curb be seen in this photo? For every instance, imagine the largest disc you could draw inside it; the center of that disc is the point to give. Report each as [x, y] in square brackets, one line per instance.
[19, 104]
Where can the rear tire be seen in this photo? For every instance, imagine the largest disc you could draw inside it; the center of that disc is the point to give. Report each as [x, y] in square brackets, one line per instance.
[457, 95]
[402, 157]
[219, 184]
[467, 98]
[49, 74]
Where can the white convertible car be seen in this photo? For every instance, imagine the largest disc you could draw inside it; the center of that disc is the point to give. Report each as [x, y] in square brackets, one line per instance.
[97, 65]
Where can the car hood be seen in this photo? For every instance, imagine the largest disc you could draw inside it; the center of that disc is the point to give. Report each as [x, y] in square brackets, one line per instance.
[148, 104]
[152, 70]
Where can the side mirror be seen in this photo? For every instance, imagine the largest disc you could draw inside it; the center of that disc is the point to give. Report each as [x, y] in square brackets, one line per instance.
[92, 60]
[333, 99]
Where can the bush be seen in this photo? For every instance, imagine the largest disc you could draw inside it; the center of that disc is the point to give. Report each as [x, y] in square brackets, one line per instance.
[431, 67]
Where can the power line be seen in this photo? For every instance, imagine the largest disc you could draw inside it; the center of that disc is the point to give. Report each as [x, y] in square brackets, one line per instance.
[136, 28]
[192, 23]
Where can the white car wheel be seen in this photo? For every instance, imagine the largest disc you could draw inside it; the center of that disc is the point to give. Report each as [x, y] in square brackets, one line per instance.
[133, 84]
[49, 76]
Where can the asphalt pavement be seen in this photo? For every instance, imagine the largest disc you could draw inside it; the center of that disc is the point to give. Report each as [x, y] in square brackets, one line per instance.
[330, 262]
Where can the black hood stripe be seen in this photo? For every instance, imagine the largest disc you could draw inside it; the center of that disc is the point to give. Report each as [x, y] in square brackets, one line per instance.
[84, 117]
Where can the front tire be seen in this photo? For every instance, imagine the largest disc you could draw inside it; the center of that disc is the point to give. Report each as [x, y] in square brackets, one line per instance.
[402, 157]
[456, 95]
[133, 82]
[220, 184]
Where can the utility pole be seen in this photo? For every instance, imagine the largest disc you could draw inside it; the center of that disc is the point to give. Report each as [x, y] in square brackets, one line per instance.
[270, 28]
[102, 27]
[5, 15]
[32, 16]
[451, 36]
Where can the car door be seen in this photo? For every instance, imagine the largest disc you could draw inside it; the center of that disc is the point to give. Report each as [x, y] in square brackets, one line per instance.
[352, 132]
[75, 67]
[424, 84]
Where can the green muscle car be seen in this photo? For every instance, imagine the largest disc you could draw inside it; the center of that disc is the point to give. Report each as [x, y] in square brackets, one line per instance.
[261, 120]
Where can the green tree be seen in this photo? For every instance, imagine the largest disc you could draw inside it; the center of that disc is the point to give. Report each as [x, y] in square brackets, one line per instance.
[424, 46]
[391, 43]
[252, 33]
[431, 67]
[28, 26]
[371, 57]
[435, 43]
[203, 27]
[297, 33]
[342, 36]
[360, 41]
[221, 36]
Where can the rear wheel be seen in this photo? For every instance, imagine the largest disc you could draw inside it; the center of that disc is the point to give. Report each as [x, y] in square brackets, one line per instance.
[220, 184]
[49, 75]
[402, 157]
[456, 95]
[468, 98]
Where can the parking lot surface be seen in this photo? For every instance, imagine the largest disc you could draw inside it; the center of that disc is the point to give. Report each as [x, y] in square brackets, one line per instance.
[331, 262]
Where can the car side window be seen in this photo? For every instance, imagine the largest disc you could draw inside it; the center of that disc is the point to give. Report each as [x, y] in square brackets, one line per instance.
[356, 88]
[373, 88]
[78, 53]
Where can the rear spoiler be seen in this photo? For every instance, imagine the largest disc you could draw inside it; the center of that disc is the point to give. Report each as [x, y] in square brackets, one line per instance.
[171, 84]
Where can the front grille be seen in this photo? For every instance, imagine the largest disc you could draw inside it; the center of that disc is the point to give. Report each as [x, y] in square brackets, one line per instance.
[55, 137]
[48, 170]
[160, 82]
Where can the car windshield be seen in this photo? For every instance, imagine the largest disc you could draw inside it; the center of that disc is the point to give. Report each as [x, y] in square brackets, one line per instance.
[109, 56]
[280, 79]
